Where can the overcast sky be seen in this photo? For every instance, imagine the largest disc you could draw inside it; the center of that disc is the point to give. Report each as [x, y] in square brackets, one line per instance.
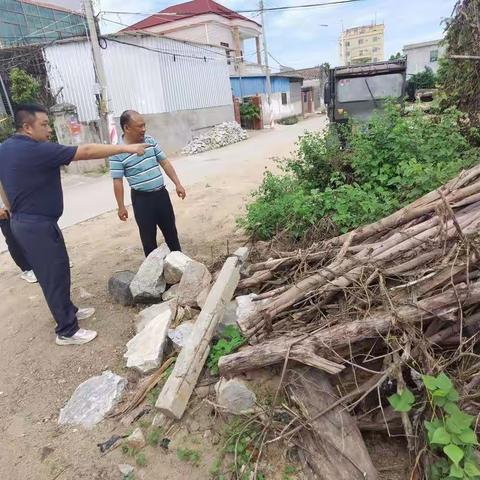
[296, 37]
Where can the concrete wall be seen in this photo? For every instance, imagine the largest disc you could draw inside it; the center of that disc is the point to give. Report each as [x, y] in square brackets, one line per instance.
[293, 107]
[173, 130]
[419, 58]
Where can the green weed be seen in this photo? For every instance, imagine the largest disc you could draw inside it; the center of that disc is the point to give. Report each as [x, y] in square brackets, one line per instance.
[141, 459]
[189, 455]
[231, 340]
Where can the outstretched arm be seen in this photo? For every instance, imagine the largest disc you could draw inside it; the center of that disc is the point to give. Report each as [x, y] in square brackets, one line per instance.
[91, 151]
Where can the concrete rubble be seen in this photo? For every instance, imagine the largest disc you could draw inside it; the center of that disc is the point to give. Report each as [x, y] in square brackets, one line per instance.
[180, 335]
[247, 306]
[234, 396]
[119, 287]
[136, 441]
[145, 350]
[219, 136]
[171, 293]
[125, 469]
[149, 283]
[175, 265]
[149, 313]
[92, 400]
[194, 280]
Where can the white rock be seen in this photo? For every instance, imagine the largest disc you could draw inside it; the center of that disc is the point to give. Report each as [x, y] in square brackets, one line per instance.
[136, 440]
[145, 350]
[202, 296]
[180, 335]
[246, 306]
[149, 313]
[92, 400]
[171, 293]
[175, 265]
[194, 280]
[149, 283]
[234, 396]
[221, 135]
[125, 469]
[84, 294]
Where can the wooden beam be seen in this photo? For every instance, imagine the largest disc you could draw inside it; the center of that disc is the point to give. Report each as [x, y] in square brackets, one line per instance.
[177, 390]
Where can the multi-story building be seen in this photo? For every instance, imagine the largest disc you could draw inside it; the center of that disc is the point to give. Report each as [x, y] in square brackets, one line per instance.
[208, 22]
[25, 22]
[362, 45]
[422, 55]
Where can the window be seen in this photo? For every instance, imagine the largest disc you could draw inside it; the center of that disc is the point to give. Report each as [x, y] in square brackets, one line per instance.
[226, 45]
[433, 55]
[375, 39]
[284, 99]
[375, 59]
[360, 41]
[348, 44]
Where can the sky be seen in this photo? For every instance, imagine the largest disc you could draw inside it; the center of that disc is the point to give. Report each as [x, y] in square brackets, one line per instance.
[297, 39]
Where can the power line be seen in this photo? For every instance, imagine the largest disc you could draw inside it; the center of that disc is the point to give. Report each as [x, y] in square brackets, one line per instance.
[268, 9]
[183, 42]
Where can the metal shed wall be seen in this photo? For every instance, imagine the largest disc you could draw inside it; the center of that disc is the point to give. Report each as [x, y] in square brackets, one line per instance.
[148, 74]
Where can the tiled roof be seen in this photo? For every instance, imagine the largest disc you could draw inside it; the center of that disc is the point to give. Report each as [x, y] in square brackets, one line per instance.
[186, 10]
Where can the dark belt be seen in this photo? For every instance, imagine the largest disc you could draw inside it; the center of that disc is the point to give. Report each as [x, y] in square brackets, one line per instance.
[144, 194]
[33, 218]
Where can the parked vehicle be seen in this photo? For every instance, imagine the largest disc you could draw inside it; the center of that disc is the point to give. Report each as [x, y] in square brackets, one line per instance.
[355, 91]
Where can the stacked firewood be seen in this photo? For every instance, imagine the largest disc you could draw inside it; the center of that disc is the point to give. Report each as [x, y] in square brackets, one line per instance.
[404, 290]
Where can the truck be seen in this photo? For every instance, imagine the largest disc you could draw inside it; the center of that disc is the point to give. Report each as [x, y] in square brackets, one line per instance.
[355, 91]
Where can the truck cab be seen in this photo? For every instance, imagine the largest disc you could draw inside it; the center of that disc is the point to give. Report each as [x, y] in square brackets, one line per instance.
[355, 91]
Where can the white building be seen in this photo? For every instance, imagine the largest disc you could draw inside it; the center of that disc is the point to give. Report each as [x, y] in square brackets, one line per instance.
[208, 22]
[179, 88]
[421, 55]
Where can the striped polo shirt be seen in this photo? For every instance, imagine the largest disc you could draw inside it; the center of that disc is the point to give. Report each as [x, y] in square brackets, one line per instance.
[143, 173]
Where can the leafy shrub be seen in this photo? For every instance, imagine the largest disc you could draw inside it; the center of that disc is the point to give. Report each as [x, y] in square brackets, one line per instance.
[390, 161]
[231, 339]
[450, 436]
[249, 111]
[425, 79]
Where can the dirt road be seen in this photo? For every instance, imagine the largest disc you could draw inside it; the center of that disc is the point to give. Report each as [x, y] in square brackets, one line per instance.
[37, 377]
[87, 196]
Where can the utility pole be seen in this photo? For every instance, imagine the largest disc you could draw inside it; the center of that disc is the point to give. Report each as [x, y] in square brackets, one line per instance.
[267, 70]
[103, 109]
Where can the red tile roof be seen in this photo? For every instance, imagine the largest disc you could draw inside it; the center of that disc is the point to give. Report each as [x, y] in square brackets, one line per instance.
[187, 10]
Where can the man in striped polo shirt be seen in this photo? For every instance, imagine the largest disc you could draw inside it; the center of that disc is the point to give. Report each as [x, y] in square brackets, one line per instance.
[151, 202]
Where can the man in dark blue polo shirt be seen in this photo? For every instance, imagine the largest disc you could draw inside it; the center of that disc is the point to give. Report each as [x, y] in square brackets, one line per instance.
[30, 186]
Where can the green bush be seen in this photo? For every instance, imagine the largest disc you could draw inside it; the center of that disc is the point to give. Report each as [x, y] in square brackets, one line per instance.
[390, 161]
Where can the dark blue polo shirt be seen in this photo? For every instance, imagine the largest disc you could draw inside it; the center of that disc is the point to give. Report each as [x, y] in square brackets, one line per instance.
[30, 175]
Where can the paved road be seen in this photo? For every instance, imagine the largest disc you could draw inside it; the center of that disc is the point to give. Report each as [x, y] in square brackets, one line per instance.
[88, 196]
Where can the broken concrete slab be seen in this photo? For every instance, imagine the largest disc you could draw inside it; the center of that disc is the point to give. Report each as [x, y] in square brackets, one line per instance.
[195, 279]
[180, 335]
[175, 265]
[149, 313]
[234, 396]
[171, 293]
[149, 283]
[119, 287]
[136, 441]
[126, 469]
[145, 350]
[92, 400]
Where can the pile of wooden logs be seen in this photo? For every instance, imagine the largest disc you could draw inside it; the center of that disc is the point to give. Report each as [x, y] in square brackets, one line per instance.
[404, 290]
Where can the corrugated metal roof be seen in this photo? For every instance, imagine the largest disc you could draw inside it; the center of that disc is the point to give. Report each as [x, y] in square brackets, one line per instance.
[148, 74]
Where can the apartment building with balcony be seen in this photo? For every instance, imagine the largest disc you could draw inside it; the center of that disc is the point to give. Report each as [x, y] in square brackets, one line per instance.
[363, 44]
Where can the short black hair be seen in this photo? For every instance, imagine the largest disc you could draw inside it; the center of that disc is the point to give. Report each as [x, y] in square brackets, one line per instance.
[125, 118]
[25, 113]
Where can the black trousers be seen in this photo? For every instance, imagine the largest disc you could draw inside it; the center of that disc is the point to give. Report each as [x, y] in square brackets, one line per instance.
[152, 210]
[43, 240]
[14, 248]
